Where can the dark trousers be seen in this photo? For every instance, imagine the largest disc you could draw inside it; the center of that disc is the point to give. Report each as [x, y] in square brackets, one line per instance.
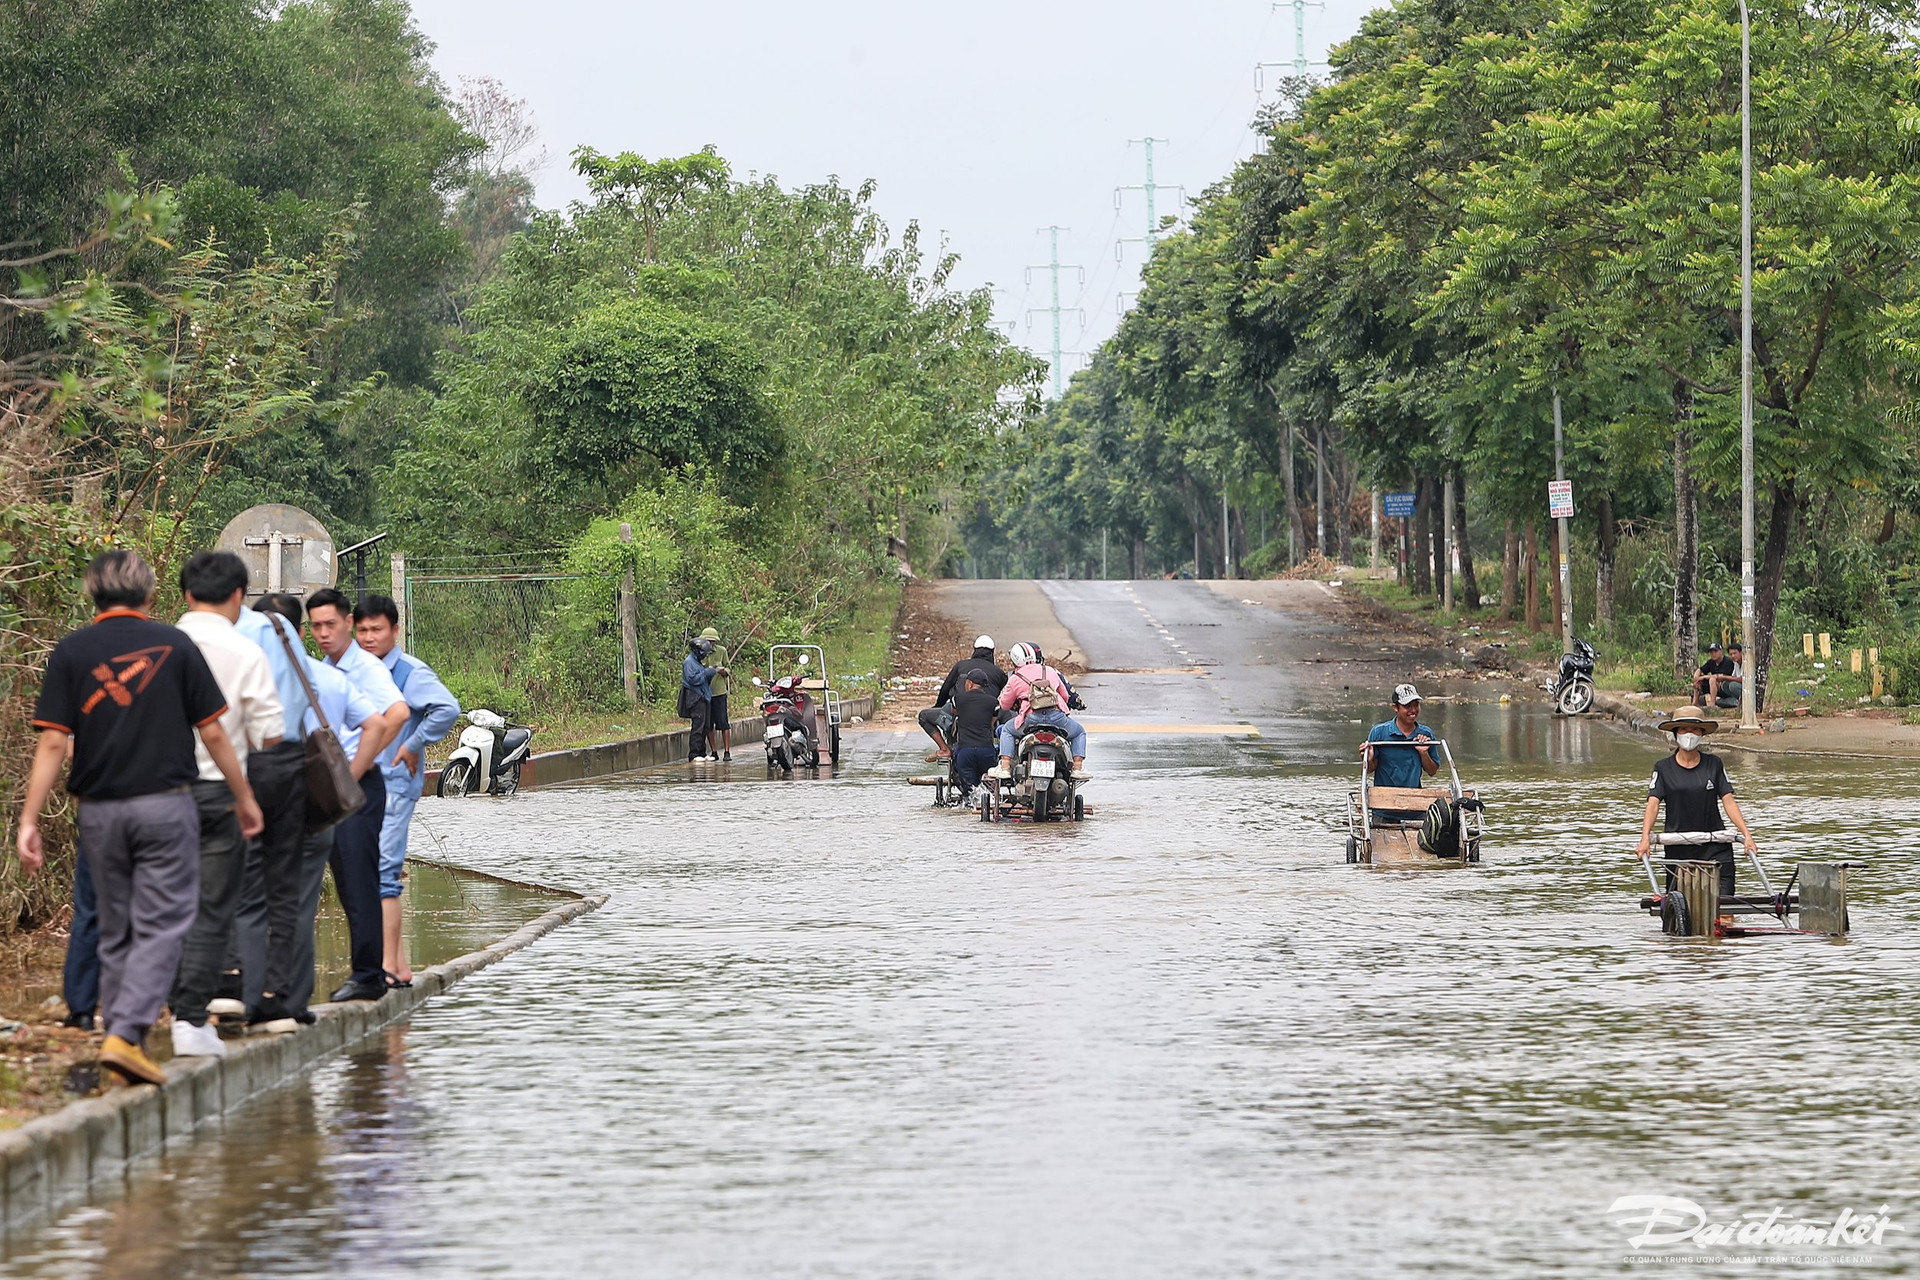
[222, 859]
[80, 979]
[970, 762]
[697, 725]
[144, 856]
[355, 863]
[270, 887]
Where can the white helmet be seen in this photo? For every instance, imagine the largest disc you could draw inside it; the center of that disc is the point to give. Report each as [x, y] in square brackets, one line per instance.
[1022, 654]
[983, 642]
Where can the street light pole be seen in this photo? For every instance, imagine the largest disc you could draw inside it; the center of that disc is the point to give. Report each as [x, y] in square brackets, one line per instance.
[1749, 714]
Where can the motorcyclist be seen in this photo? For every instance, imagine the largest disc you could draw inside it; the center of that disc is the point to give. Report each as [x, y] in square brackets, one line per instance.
[1029, 673]
[937, 720]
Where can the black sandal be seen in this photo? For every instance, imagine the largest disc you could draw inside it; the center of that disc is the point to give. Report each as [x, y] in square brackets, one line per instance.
[394, 983]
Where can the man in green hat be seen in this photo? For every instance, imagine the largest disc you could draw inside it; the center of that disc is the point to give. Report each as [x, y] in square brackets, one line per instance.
[719, 726]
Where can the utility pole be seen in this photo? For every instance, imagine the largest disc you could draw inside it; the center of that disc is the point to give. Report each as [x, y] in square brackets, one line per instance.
[1566, 572]
[1749, 671]
[1446, 541]
[1053, 268]
[1149, 188]
[1300, 63]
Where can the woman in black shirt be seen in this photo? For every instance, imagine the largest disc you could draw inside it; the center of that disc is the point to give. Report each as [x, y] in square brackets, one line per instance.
[1695, 787]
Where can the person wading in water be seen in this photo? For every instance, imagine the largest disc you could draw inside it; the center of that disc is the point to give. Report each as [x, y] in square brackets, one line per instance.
[1695, 787]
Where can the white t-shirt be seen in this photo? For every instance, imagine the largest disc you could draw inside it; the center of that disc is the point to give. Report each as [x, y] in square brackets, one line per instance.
[253, 700]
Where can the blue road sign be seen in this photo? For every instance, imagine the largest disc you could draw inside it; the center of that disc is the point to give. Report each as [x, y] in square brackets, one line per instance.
[1397, 504]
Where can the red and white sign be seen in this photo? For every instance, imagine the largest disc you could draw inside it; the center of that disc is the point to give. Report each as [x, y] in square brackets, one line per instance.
[1560, 499]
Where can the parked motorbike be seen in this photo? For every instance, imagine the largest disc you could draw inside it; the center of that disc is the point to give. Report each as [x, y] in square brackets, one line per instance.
[1571, 688]
[488, 758]
[788, 710]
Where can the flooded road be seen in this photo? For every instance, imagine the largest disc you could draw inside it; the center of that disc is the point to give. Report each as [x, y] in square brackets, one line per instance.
[823, 1030]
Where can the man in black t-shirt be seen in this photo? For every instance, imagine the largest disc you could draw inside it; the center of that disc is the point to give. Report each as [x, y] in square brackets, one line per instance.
[937, 720]
[128, 693]
[975, 710]
[1713, 672]
[1695, 788]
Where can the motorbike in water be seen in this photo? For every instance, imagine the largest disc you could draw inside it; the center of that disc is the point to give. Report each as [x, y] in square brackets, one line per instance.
[488, 758]
[789, 714]
[1571, 689]
[1044, 784]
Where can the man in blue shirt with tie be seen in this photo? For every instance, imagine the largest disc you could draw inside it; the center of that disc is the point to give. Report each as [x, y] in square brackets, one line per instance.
[356, 841]
[431, 711]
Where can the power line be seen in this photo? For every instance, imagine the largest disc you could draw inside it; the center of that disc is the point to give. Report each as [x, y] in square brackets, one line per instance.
[1053, 268]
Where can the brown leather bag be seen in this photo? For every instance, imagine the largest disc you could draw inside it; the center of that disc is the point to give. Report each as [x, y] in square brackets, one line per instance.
[333, 792]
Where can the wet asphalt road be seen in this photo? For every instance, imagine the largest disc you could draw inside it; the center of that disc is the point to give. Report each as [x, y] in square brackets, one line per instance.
[823, 1030]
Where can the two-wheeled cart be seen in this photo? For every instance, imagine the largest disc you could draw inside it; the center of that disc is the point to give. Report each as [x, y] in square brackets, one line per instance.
[1385, 824]
[826, 702]
[1693, 906]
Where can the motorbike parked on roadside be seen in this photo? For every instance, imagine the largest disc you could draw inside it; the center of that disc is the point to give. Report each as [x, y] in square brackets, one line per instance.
[788, 710]
[1571, 688]
[488, 757]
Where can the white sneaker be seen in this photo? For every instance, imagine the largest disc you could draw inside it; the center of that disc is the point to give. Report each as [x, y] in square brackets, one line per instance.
[999, 771]
[190, 1041]
[226, 1007]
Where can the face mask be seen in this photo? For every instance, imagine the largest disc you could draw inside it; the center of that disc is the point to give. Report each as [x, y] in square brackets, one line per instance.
[1688, 741]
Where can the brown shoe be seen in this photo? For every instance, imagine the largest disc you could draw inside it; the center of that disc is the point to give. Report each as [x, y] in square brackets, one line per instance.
[129, 1061]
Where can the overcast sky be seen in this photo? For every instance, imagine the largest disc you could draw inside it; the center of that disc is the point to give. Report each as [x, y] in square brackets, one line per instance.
[983, 121]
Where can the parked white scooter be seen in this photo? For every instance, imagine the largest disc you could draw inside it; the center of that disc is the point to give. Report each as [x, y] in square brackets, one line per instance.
[488, 758]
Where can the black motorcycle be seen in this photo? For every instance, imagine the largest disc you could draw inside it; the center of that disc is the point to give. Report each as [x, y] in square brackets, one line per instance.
[1571, 688]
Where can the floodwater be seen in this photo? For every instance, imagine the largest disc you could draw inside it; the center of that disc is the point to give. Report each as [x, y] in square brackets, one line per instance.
[823, 1030]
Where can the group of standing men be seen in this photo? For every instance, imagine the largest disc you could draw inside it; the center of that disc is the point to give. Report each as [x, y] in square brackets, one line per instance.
[201, 861]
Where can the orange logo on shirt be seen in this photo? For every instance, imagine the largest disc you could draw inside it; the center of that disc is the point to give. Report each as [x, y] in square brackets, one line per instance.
[126, 677]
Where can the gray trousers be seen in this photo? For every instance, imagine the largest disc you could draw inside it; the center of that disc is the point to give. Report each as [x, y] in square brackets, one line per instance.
[222, 855]
[144, 855]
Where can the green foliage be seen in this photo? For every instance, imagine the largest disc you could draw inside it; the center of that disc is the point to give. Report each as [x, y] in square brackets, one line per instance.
[638, 384]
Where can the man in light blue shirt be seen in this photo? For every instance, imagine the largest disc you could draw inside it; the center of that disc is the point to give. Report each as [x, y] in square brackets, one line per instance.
[431, 713]
[356, 841]
[280, 898]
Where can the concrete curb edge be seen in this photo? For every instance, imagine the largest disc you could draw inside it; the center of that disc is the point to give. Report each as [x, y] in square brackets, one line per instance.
[57, 1160]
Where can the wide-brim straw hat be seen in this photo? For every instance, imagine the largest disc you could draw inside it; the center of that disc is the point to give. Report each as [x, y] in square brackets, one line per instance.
[710, 634]
[1690, 716]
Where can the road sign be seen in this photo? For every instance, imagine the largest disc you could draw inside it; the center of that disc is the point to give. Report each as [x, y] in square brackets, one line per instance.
[1397, 505]
[285, 548]
[1560, 499]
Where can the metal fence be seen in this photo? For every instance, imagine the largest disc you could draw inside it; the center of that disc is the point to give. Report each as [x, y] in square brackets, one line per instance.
[476, 619]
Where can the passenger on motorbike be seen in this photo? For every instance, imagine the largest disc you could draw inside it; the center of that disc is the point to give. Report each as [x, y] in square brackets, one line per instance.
[1041, 695]
[974, 712]
[938, 719]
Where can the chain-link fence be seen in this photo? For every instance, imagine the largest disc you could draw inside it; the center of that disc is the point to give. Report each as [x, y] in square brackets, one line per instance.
[479, 621]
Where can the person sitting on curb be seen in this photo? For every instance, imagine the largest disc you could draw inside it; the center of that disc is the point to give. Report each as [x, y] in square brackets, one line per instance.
[1715, 671]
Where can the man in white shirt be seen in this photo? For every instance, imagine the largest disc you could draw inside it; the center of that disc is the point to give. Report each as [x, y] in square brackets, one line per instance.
[214, 583]
[356, 841]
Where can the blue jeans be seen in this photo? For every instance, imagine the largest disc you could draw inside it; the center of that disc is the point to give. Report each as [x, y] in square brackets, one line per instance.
[80, 980]
[403, 793]
[970, 762]
[1076, 736]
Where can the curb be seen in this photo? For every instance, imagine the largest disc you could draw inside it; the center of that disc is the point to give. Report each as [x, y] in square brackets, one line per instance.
[606, 759]
[58, 1160]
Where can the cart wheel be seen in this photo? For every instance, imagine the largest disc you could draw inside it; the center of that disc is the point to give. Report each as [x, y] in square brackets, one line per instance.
[1079, 807]
[940, 794]
[986, 806]
[1353, 849]
[833, 743]
[1473, 851]
[1674, 917]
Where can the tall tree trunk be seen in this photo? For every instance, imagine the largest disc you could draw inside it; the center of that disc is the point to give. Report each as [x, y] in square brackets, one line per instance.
[1766, 592]
[1510, 575]
[1608, 544]
[1137, 557]
[1686, 540]
[1422, 558]
[1554, 551]
[1533, 576]
[1469, 580]
[1296, 524]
